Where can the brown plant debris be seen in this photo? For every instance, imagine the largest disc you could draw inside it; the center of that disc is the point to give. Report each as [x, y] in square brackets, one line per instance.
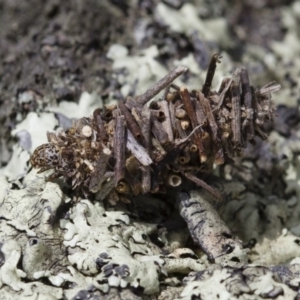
[135, 147]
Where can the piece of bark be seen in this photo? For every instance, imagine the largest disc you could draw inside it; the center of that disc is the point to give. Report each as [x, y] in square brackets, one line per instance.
[204, 102]
[206, 227]
[200, 115]
[269, 88]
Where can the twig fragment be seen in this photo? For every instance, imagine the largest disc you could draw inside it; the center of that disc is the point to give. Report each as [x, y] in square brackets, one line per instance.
[137, 150]
[146, 131]
[204, 185]
[236, 110]
[166, 123]
[119, 149]
[210, 73]
[192, 116]
[247, 101]
[160, 85]
[130, 121]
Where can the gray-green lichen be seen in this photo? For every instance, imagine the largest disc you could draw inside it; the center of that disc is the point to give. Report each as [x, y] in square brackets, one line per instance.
[250, 282]
[88, 246]
[113, 253]
[28, 238]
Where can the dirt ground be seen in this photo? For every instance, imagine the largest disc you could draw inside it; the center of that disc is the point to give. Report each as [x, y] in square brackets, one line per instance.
[58, 50]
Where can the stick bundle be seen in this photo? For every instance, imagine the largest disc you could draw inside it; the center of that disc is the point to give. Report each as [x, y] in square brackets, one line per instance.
[135, 148]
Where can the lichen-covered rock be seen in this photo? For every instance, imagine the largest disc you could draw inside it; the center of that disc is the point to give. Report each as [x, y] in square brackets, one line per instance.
[121, 258]
[30, 245]
[28, 213]
[249, 282]
[276, 251]
[251, 213]
[12, 285]
[115, 294]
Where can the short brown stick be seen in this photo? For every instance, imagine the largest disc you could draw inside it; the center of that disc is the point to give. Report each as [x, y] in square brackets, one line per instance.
[160, 85]
[159, 131]
[181, 133]
[146, 131]
[166, 123]
[204, 102]
[130, 121]
[204, 185]
[100, 125]
[247, 101]
[217, 147]
[119, 149]
[210, 73]
[100, 170]
[137, 150]
[172, 117]
[236, 111]
[190, 110]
